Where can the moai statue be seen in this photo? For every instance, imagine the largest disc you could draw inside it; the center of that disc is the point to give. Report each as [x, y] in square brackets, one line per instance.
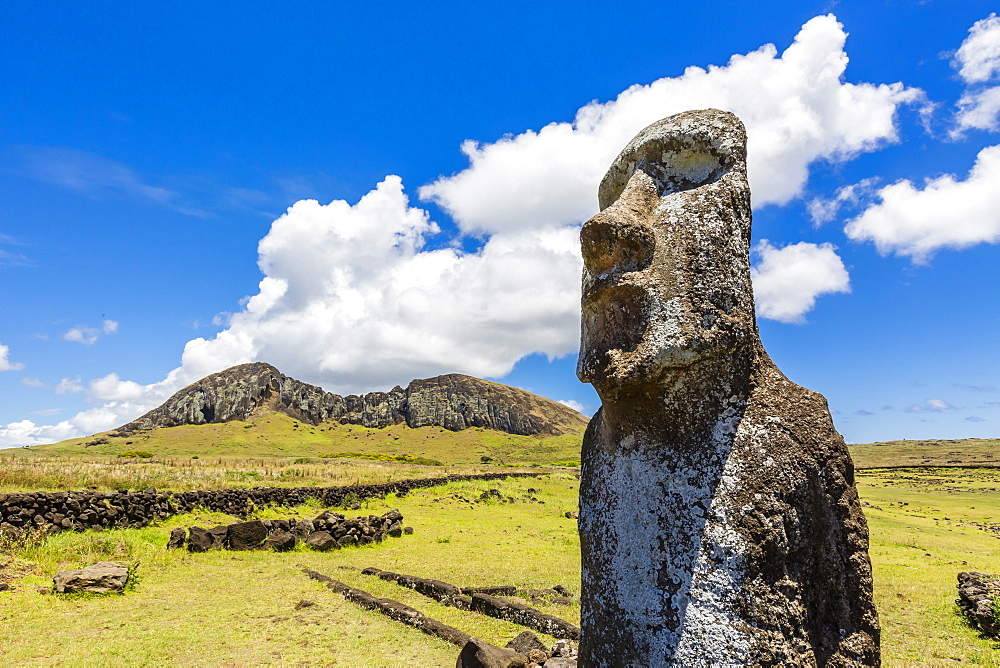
[719, 520]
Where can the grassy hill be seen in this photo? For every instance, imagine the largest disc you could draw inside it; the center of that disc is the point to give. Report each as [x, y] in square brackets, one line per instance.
[959, 452]
[278, 435]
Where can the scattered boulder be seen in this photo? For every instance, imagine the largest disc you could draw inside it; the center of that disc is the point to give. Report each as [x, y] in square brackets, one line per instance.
[247, 535]
[303, 528]
[479, 654]
[322, 541]
[563, 648]
[178, 537]
[281, 541]
[203, 540]
[526, 642]
[102, 578]
[978, 595]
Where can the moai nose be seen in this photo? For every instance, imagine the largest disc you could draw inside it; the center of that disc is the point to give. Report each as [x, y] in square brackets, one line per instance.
[616, 241]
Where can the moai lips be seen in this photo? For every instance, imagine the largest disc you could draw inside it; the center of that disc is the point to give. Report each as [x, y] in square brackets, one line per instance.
[719, 520]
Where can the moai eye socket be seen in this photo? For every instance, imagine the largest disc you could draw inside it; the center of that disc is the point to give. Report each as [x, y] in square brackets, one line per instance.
[674, 163]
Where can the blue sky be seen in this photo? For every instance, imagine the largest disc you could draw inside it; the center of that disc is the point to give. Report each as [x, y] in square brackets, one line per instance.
[363, 194]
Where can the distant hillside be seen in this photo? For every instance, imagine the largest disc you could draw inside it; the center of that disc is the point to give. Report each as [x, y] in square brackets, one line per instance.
[453, 402]
[955, 452]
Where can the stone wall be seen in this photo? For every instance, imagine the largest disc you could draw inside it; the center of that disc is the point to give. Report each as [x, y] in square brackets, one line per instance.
[97, 510]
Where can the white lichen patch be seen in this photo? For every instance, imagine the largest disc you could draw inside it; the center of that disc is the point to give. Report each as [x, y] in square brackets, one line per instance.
[670, 563]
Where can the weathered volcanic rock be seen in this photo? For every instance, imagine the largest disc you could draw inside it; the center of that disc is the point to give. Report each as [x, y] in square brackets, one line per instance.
[978, 594]
[453, 401]
[479, 654]
[719, 520]
[281, 541]
[101, 578]
[247, 535]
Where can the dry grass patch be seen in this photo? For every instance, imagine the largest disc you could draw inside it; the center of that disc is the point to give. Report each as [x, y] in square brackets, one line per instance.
[108, 473]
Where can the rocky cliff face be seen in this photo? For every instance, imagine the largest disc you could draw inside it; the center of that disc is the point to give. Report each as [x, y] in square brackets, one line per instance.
[453, 401]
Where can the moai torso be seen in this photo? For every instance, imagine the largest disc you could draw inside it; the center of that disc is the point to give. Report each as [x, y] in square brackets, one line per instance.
[719, 519]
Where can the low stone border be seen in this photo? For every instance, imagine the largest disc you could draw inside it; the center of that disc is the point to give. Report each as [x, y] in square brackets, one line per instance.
[394, 610]
[483, 603]
[524, 651]
[525, 616]
[95, 510]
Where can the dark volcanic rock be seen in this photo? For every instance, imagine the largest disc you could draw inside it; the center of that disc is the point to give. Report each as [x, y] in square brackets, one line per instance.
[247, 535]
[203, 540]
[453, 401]
[178, 537]
[479, 654]
[526, 642]
[321, 540]
[978, 594]
[281, 541]
[719, 520]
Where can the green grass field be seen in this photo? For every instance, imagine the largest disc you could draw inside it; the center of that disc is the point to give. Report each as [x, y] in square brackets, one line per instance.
[220, 608]
[959, 452]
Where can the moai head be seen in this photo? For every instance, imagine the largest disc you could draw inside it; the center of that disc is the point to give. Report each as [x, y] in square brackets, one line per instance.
[666, 279]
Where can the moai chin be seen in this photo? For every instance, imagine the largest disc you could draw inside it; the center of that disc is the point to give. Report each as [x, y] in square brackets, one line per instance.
[719, 521]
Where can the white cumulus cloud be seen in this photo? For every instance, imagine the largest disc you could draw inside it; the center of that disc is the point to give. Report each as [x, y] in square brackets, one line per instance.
[570, 403]
[930, 406]
[823, 210]
[787, 281]
[980, 110]
[85, 335]
[110, 327]
[5, 363]
[944, 213]
[978, 59]
[112, 388]
[350, 300]
[796, 107]
[978, 64]
[69, 386]
[353, 299]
